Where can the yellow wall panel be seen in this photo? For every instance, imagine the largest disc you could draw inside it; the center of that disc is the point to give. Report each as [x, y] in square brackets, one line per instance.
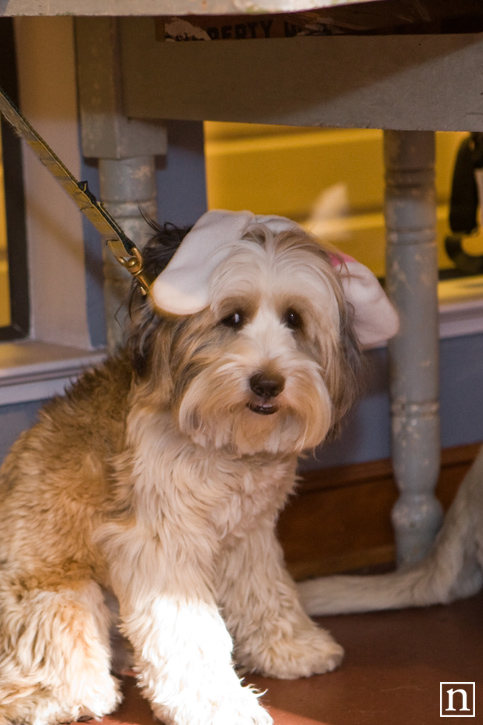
[284, 170]
[284, 173]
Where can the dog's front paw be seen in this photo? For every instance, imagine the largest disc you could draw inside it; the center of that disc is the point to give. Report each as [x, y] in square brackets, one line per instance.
[312, 652]
[246, 711]
[223, 708]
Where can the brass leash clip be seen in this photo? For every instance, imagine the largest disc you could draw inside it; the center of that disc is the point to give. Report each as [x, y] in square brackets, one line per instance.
[133, 264]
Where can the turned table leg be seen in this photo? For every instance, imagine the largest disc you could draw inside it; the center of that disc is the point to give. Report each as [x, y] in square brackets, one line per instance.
[411, 279]
[127, 189]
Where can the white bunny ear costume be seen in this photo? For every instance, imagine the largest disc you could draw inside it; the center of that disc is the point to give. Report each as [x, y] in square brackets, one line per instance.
[182, 287]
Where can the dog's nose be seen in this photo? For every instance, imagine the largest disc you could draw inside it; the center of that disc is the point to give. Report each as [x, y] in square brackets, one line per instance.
[267, 386]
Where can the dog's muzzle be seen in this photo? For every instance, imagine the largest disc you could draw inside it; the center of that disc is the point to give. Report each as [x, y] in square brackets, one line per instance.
[266, 389]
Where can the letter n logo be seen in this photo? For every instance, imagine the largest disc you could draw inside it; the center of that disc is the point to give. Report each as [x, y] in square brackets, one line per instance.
[457, 699]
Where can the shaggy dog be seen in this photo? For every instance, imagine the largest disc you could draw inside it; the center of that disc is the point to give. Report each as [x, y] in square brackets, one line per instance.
[153, 487]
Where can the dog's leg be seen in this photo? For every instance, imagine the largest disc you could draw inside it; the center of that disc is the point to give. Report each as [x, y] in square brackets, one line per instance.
[182, 648]
[272, 633]
[54, 654]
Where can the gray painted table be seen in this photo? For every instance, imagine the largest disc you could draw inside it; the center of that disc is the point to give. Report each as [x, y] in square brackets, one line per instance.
[410, 86]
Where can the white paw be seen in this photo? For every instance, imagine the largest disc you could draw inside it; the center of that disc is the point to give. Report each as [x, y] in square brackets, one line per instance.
[312, 652]
[241, 711]
[235, 708]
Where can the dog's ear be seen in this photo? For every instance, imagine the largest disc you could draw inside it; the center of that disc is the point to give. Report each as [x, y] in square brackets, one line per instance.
[142, 325]
[374, 318]
[367, 318]
[144, 320]
[349, 375]
[161, 247]
[183, 289]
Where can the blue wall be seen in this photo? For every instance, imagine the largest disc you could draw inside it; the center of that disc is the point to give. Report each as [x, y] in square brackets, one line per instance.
[181, 175]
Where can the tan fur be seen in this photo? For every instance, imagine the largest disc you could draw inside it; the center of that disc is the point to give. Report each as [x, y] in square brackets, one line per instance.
[152, 485]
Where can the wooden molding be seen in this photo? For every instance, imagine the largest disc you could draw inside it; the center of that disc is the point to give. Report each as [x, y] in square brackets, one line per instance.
[341, 518]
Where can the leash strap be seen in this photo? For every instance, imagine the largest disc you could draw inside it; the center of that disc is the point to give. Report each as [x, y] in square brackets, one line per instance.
[123, 248]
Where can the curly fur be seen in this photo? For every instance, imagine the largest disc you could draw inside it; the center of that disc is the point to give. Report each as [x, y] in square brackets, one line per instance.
[154, 486]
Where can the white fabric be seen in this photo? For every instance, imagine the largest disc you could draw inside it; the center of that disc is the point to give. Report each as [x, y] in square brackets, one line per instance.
[182, 288]
[375, 319]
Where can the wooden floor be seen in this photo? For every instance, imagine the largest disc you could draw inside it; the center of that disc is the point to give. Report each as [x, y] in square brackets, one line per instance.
[391, 674]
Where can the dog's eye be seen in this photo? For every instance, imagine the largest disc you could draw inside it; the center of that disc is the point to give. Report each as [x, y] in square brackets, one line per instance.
[292, 319]
[235, 320]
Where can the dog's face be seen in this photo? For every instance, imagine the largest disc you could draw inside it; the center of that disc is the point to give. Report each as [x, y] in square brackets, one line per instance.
[271, 365]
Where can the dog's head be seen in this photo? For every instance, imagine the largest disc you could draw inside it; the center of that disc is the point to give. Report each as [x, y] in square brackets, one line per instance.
[267, 359]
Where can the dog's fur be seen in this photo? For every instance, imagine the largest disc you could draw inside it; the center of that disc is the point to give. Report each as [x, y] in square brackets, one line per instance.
[453, 569]
[155, 484]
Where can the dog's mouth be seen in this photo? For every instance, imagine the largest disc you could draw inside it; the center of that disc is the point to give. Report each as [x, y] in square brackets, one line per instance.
[264, 407]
